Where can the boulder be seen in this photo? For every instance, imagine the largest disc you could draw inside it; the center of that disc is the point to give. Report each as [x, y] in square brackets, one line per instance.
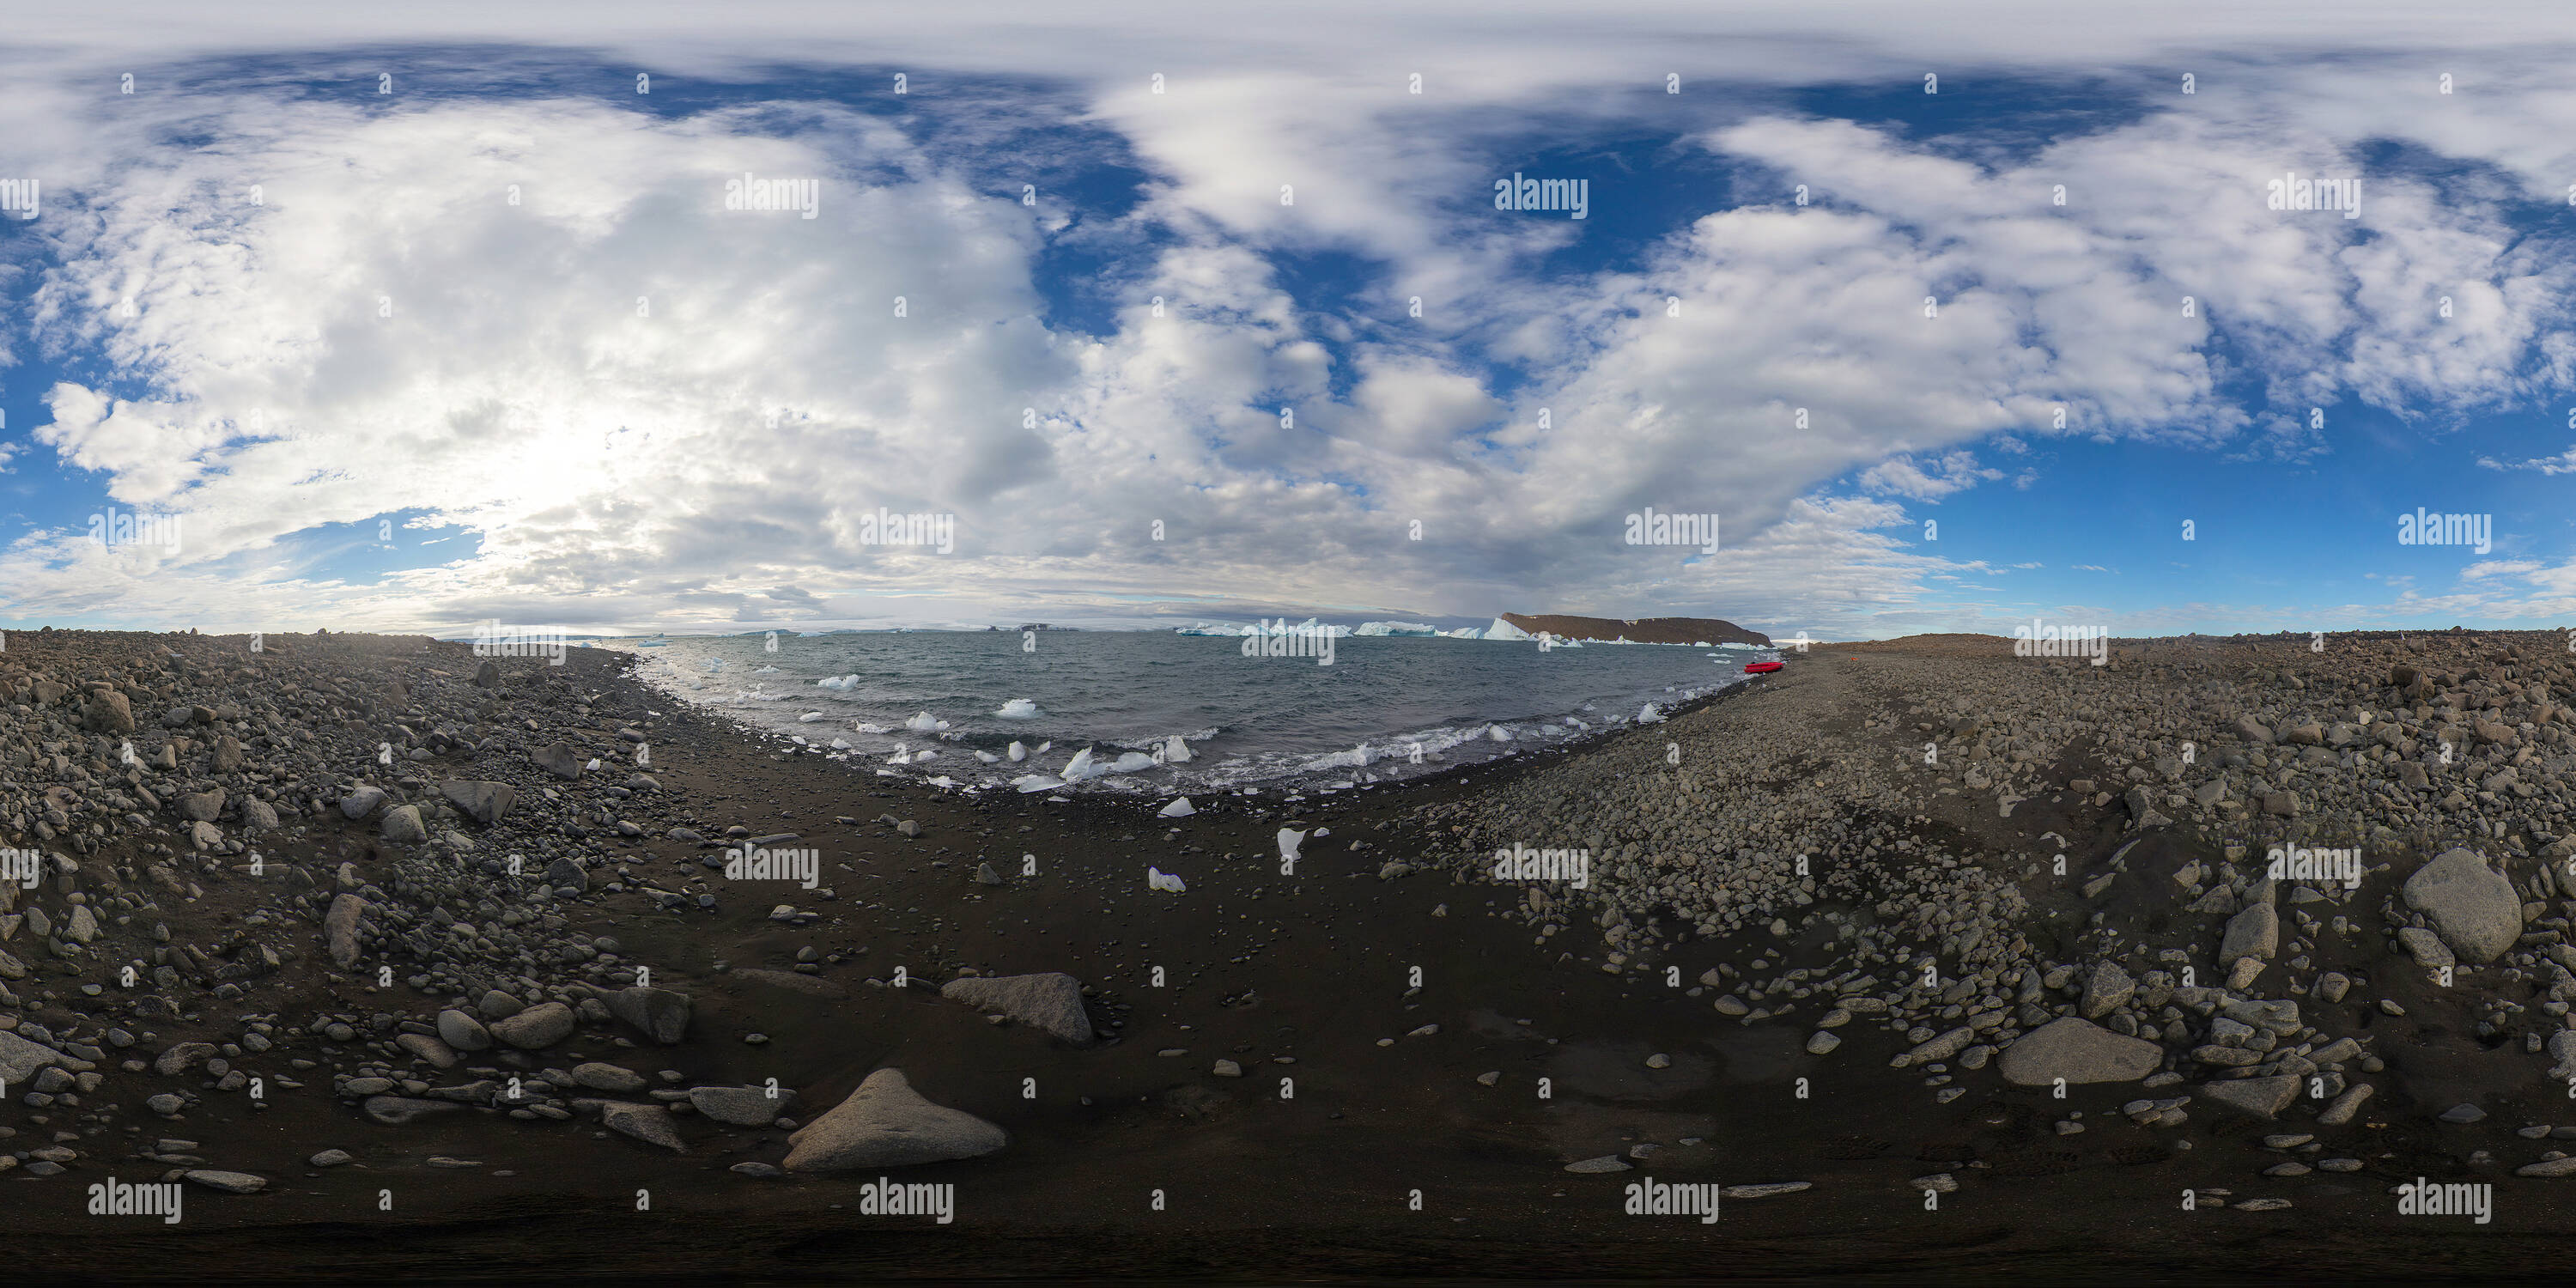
[202, 807]
[2079, 1051]
[661, 1013]
[484, 802]
[402, 825]
[2107, 990]
[20, 1058]
[885, 1123]
[108, 712]
[2471, 906]
[537, 1027]
[340, 924]
[360, 803]
[2255, 932]
[462, 1031]
[558, 760]
[1050, 1003]
[741, 1106]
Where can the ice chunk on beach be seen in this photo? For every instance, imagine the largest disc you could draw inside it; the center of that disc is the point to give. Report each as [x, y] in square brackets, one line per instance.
[924, 754]
[924, 722]
[1018, 752]
[593, 766]
[900, 758]
[1134, 762]
[840, 744]
[988, 758]
[1080, 767]
[1019, 709]
[1497, 733]
[1176, 750]
[1179, 808]
[1169, 883]
[1037, 782]
[1649, 715]
[1289, 840]
[810, 717]
[869, 728]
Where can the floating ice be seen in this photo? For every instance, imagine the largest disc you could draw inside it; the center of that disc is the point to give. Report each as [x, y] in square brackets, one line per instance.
[714, 664]
[1134, 762]
[1019, 709]
[1037, 782]
[988, 758]
[1649, 715]
[1176, 751]
[840, 744]
[924, 754]
[1018, 752]
[900, 758]
[1497, 733]
[869, 728]
[1503, 630]
[810, 717]
[1179, 808]
[842, 682]
[924, 722]
[766, 670]
[1167, 882]
[1079, 768]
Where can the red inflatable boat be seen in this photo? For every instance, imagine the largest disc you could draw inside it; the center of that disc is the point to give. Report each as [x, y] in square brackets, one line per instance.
[1760, 668]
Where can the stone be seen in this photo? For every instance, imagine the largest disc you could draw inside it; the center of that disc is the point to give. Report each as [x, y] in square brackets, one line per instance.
[2549, 1169]
[485, 803]
[20, 1058]
[462, 1031]
[2463, 1114]
[228, 1182]
[1050, 1003]
[741, 1106]
[2079, 1051]
[608, 1077]
[2261, 1097]
[497, 1005]
[558, 760]
[2254, 932]
[1939, 1048]
[758, 1171]
[2426, 947]
[436, 1053]
[402, 825]
[167, 1104]
[332, 1158]
[661, 1013]
[1227, 1069]
[2332, 986]
[885, 1123]
[360, 803]
[2107, 990]
[1594, 1166]
[650, 1124]
[487, 675]
[182, 1057]
[394, 1111]
[340, 926]
[202, 807]
[537, 1027]
[1823, 1042]
[2470, 905]
[108, 712]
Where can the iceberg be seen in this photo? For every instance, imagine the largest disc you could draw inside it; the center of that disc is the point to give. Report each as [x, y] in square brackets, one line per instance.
[1503, 630]
[1497, 733]
[1019, 709]
[1419, 629]
[924, 722]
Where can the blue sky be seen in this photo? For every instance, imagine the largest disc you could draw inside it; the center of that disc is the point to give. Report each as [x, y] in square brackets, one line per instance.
[384, 395]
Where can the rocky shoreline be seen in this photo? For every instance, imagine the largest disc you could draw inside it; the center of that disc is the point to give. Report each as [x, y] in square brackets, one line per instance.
[354, 914]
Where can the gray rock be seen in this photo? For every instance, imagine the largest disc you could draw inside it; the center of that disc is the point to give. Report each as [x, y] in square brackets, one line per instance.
[1595, 1166]
[394, 1111]
[485, 803]
[2261, 1097]
[402, 825]
[1823, 1042]
[2549, 1169]
[2471, 906]
[2463, 1114]
[537, 1027]
[258, 815]
[462, 1031]
[885, 1123]
[167, 1103]
[558, 760]
[2079, 1051]
[362, 802]
[660, 1013]
[2426, 948]
[2107, 990]
[487, 675]
[108, 712]
[599, 1076]
[650, 1124]
[758, 1171]
[497, 1005]
[340, 924]
[202, 807]
[563, 873]
[20, 1058]
[1051, 1003]
[2255, 932]
[182, 1057]
[741, 1106]
[428, 1048]
[1939, 1048]
[332, 1158]
[228, 1182]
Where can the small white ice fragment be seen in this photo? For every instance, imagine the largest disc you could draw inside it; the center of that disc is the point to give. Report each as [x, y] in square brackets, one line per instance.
[1179, 808]
[1164, 881]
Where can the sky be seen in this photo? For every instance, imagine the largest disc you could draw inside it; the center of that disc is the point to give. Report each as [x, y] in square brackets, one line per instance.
[1952, 317]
